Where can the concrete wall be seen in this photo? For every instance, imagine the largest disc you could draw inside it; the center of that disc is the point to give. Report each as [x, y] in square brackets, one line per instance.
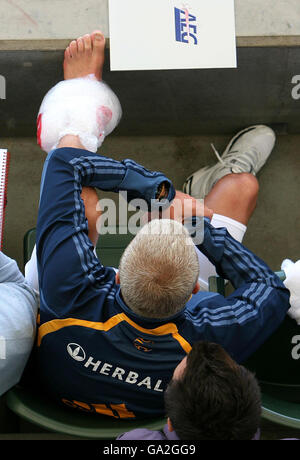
[55, 19]
[40, 24]
[181, 102]
[273, 232]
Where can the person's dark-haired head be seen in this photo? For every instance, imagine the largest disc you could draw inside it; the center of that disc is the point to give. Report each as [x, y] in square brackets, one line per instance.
[210, 397]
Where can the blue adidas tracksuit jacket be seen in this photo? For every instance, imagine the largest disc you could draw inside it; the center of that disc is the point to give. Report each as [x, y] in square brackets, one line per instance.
[94, 352]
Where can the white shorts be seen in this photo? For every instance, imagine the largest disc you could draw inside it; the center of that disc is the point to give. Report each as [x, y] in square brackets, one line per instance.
[236, 230]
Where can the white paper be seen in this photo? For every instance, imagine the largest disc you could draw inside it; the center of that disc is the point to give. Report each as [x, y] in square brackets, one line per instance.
[171, 34]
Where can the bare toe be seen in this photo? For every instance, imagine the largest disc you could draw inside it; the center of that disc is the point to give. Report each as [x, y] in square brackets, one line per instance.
[73, 48]
[80, 45]
[87, 42]
[98, 39]
[67, 53]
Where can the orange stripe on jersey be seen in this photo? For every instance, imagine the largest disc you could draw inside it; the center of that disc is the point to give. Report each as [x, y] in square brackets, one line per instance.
[103, 409]
[57, 324]
[122, 410]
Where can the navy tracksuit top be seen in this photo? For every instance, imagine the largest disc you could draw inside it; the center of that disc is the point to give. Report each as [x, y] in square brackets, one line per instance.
[96, 354]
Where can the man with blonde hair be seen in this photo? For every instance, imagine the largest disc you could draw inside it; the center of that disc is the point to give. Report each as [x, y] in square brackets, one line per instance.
[109, 344]
[162, 251]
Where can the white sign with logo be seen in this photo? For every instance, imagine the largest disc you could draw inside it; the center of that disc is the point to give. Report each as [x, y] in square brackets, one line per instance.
[172, 34]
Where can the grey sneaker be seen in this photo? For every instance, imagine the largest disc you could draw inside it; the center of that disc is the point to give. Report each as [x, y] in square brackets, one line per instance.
[246, 152]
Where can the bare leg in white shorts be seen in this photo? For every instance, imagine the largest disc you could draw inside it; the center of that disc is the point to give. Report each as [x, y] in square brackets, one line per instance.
[233, 200]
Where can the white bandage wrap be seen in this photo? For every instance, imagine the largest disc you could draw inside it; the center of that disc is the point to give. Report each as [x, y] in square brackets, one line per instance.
[292, 283]
[84, 107]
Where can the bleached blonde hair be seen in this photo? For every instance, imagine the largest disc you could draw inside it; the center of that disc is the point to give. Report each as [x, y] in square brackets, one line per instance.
[159, 269]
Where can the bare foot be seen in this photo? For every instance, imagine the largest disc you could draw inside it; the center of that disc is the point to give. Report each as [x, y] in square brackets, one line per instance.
[85, 56]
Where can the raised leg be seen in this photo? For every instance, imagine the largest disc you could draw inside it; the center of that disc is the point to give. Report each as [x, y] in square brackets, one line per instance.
[234, 196]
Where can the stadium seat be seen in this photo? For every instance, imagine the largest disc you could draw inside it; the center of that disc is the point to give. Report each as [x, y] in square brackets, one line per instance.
[275, 368]
[40, 411]
[26, 401]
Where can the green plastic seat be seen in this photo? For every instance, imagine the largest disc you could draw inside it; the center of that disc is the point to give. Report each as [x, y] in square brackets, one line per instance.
[40, 411]
[27, 402]
[275, 369]
[281, 412]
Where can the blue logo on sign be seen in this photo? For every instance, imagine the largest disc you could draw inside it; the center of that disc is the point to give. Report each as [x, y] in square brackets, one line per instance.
[185, 26]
